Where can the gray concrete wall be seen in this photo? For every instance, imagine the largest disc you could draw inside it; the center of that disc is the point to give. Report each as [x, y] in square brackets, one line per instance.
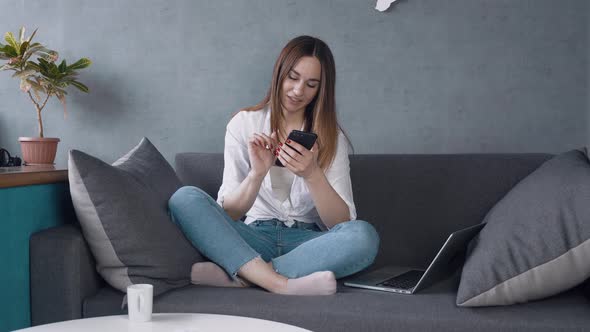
[427, 76]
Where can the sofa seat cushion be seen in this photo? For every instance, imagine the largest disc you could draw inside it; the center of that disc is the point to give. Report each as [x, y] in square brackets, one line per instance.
[352, 309]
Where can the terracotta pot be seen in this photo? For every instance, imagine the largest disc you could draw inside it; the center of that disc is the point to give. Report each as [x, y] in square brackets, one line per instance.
[38, 150]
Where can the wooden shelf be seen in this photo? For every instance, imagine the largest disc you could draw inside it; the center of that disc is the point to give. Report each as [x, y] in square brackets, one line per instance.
[30, 175]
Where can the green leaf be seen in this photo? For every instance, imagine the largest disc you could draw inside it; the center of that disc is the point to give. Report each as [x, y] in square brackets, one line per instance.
[53, 70]
[23, 47]
[21, 34]
[71, 75]
[63, 66]
[32, 35]
[80, 86]
[43, 64]
[80, 64]
[3, 53]
[9, 37]
[40, 51]
[35, 47]
[10, 51]
[32, 49]
[33, 66]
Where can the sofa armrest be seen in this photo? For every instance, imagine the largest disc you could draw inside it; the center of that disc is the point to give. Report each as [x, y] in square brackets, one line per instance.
[63, 274]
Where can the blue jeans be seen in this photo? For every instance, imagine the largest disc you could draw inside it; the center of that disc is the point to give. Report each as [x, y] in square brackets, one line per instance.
[296, 251]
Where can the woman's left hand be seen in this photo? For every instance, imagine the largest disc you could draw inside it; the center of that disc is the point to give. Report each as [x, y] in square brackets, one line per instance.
[304, 163]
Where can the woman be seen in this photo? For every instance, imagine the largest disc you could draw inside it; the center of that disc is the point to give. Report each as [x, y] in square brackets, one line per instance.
[300, 232]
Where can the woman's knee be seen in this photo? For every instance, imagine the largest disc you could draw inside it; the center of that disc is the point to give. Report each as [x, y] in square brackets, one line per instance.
[184, 195]
[366, 238]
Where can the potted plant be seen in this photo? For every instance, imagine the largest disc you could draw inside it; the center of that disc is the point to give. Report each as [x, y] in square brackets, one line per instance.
[40, 79]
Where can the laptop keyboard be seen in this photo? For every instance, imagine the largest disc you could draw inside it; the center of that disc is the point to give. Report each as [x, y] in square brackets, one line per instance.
[403, 281]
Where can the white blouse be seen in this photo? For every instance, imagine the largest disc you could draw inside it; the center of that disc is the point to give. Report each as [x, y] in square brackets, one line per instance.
[281, 179]
[300, 205]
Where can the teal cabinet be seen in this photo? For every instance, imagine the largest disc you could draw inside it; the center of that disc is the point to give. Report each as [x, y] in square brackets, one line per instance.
[25, 210]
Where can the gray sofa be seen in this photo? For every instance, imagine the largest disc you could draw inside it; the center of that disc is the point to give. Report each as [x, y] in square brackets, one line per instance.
[414, 201]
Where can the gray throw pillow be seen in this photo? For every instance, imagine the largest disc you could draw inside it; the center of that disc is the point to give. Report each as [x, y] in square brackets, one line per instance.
[537, 239]
[123, 213]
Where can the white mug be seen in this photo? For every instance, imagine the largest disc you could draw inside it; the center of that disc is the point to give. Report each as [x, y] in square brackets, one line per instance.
[139, 302]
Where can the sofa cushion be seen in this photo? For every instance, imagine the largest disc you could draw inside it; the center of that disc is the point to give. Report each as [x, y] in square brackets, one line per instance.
[122, 209]
[432, 309]
[537, 239]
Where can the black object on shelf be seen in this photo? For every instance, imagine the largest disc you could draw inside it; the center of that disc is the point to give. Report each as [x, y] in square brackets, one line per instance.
[6, 160]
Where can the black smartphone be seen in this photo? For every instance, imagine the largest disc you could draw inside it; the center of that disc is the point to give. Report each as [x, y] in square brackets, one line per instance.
[302, 137]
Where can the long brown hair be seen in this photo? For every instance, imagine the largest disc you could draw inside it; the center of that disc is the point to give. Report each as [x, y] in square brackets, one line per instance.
[320, 113]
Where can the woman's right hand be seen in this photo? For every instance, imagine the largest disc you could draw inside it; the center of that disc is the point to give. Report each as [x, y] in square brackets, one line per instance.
[261, 150]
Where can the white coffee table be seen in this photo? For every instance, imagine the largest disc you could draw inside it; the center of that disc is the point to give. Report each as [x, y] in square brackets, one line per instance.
[168, 323]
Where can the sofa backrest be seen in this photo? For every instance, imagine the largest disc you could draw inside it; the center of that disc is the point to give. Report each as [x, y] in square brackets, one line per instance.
[414, 201]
